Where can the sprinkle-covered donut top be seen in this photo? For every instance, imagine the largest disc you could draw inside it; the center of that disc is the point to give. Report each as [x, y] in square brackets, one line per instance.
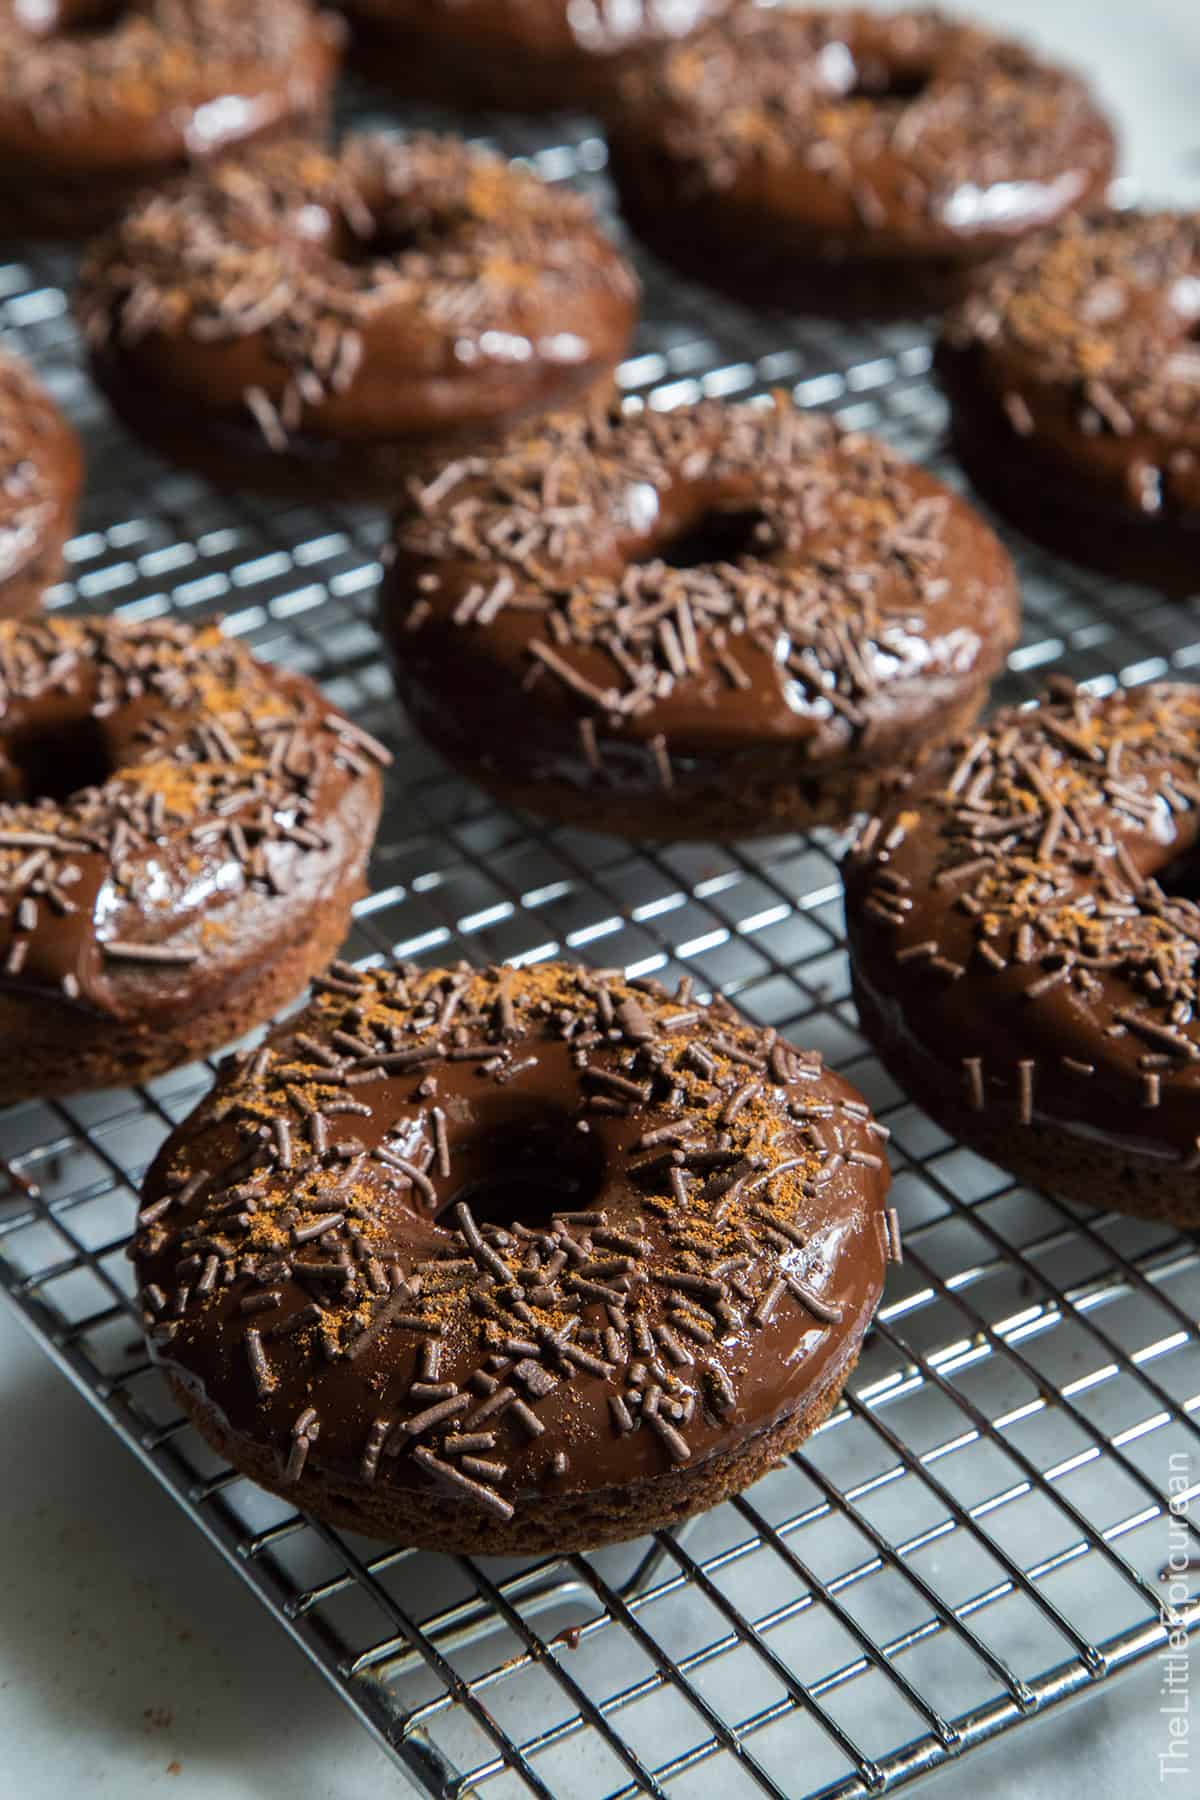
[492, 1229]
[888, 118]
[1089, 335]
[1029, 911]
[153, 777]
[40, 468]
[89, 72]
[310, 283]
[703, 574]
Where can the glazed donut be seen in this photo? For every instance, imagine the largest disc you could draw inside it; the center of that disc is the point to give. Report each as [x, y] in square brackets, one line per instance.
[846, 161]
[520, 55]
[502, 1262]
[1026, 940]
[305, 320]
[182, 832]
[714, 622]
[1074, 386]
[41, 468]
[100, 98]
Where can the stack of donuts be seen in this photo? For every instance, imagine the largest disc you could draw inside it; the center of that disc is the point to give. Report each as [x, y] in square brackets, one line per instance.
[499, 1260]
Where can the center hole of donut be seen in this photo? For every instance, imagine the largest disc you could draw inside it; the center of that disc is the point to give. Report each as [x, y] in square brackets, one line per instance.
[69, 18]
[378, 245]
[721, 534]
[522, 1173]
[1181, 877]
[875, 79]
[55, 764]
[383, 230]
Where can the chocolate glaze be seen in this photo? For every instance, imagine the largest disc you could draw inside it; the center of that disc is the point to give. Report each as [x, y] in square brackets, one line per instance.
[531, 55]
[835, 602]
[1074, 383]
[401, 294]
[553, 1091]
[171, 813]
[781, 145]
[41, 468]
[1023, 929]
[99, 97]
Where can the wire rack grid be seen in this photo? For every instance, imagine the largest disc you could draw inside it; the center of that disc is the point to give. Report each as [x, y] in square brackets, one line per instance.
[979, 1533]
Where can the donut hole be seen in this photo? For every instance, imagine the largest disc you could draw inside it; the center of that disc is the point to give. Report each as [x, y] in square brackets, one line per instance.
[864, 75]
[70, 18]
[721, 534]
[1180, 878]
[390, 227]
[880, 81]
[526, 1170]
[56, 763]
[386, 241]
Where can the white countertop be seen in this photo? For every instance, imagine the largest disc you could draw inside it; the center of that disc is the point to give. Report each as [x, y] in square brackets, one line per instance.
[135, 1664]
[132, 1661]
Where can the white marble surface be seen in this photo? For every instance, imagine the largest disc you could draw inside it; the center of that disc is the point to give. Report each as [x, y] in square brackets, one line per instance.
[132, 1661]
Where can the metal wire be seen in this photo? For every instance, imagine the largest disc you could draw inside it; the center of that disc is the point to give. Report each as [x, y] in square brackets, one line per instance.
[978, 1533]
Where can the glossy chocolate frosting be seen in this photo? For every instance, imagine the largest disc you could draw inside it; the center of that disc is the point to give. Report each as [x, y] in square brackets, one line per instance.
[539, 54]
[41, 468]
[1079, 362]
[171, 812]
[401, 290]
[547, 27]
[116, 86]
[631, 596]
[610, 1229]
[1023, 926]
[849, 135]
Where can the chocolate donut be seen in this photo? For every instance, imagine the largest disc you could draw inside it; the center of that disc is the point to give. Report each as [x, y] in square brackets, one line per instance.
[846, 161]
[306, 320]
[498, 1261]
[713, 622]
[41, 468]
[1074, 386]
[1026, 945]
[100, 98]
[520, 55]
[182, 832]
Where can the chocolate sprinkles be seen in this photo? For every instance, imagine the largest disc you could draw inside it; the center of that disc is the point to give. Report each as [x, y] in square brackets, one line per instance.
[1074, 924]
[479, 1334]
[196, 788]
[626, 644]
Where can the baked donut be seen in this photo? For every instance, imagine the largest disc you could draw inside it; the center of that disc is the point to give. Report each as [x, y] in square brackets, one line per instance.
[520, 55]
[502, 1262]
[1025, 941]
[307, 320]
[100, 98]
[1074, 386]
[41, 468]
[182, 832]
[716, 622]
[849, 162]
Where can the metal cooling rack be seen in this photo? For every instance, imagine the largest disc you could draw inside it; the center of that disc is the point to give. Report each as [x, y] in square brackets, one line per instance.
[978, 1534]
